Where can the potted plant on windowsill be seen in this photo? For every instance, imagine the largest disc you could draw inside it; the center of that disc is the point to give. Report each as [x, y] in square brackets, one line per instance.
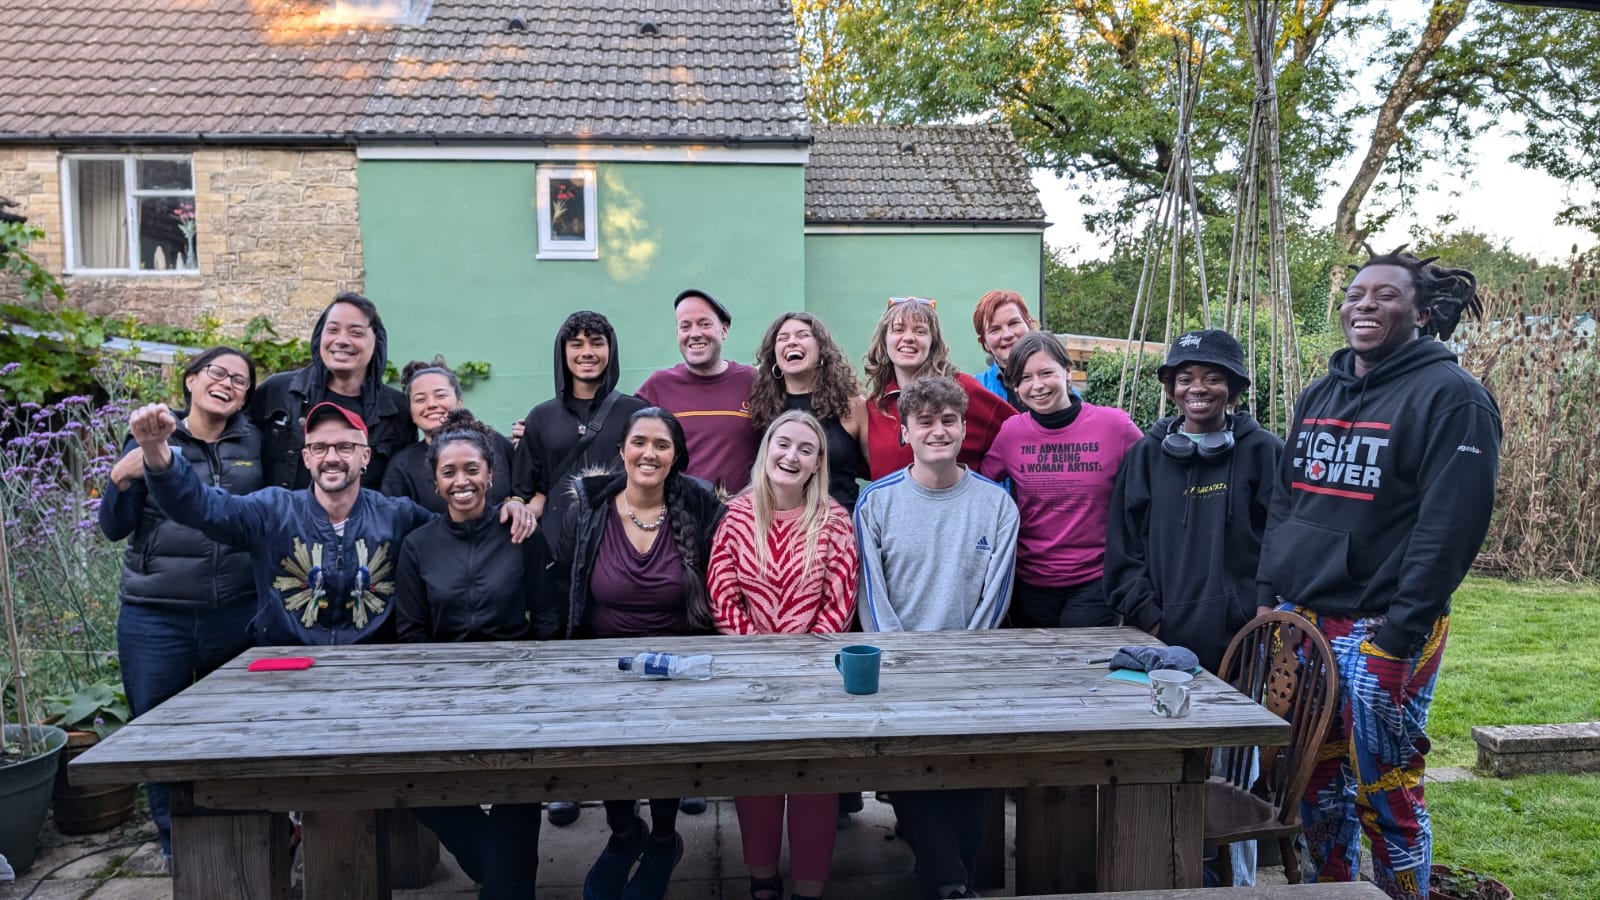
[1456, 883]
[89, 715]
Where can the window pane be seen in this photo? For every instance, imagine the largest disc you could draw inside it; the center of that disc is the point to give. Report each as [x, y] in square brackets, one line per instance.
[167, 233]
[164, 175]
[100, 213]
[567, 209]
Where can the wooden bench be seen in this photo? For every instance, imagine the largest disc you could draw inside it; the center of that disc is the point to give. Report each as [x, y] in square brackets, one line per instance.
[1507, 750]
[1355, 890]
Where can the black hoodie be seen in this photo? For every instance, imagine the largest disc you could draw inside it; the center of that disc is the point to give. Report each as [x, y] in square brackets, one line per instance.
[554, 427]
[281, 402]
[1184, 538]
[1384, 497]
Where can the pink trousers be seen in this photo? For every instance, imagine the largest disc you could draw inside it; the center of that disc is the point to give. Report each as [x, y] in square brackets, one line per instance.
[813, 824]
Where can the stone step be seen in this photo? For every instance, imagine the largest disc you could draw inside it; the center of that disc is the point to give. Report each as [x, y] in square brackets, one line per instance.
[1507, 750]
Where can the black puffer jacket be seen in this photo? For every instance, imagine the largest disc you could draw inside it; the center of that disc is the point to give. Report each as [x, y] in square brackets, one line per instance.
[466, 581]
[172, 565]
[282, 401]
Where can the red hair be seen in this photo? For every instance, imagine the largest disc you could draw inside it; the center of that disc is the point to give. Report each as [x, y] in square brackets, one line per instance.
[990, 303]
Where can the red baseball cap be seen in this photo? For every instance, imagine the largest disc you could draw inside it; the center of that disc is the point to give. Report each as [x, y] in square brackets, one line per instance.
[326, 409]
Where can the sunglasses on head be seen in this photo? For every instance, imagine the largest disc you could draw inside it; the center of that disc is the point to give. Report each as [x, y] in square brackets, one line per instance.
[896, 301]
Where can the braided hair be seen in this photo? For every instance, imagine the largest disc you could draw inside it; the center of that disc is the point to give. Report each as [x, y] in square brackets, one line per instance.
[461, 425]
[684, 524]
[1444, 293]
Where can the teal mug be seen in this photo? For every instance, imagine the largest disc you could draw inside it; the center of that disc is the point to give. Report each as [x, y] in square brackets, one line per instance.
[858, 664]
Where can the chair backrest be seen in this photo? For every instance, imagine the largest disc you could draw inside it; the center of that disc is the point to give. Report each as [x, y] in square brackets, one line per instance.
[1282, 661]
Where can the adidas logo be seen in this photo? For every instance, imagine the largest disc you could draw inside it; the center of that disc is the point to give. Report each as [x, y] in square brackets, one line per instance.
[983, 544]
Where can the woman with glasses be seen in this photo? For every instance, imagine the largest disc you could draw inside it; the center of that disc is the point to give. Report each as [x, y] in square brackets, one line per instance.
[186, 600]
[433, 392]
[906, 346]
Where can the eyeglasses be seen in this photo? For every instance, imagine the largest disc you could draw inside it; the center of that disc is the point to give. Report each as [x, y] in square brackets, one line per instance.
[896, 301]
[343, 448]
[218, 373]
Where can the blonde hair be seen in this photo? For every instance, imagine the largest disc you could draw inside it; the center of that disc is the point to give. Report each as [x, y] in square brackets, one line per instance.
[815, 499]
[880, 369]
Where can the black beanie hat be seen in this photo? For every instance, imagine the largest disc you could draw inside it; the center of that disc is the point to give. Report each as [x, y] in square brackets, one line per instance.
[718, 308]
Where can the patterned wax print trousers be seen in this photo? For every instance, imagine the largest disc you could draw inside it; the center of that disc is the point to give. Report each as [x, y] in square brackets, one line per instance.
[1368, 776]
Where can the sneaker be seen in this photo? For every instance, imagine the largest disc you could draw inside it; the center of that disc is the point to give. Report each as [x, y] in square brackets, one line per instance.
[655, 870]
[609, 874]
[561, 812]
[693, 806]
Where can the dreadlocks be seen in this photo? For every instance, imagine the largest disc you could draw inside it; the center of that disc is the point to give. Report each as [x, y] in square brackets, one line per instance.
[1445, 293]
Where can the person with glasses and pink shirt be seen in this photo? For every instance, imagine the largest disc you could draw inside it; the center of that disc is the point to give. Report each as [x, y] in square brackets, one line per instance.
[906, 346]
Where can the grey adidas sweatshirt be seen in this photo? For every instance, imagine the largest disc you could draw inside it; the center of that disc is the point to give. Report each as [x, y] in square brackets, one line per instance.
[935, 560]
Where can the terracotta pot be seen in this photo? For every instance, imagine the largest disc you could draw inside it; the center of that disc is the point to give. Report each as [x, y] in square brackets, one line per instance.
[84, 809]
[1455, 883]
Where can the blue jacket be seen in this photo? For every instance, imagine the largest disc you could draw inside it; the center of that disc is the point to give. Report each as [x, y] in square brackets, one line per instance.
[313, 586]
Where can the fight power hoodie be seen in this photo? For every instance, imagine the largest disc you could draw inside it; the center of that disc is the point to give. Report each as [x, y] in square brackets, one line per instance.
[1385, 491]
[1184, 538]
[555, 426]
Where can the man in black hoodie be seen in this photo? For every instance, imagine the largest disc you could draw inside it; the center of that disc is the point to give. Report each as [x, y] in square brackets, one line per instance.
[1380, 507]
[349, 348]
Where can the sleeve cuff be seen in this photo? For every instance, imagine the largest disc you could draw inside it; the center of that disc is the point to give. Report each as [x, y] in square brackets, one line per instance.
[1393, 642]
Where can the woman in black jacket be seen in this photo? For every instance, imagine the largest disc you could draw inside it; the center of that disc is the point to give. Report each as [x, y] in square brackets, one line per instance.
[634, 547]
[187, 601]
[433, 391]
[460, 578]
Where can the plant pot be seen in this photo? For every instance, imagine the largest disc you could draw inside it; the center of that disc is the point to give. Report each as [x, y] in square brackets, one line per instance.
[1455, 883]
[25, 794]
[87, 808]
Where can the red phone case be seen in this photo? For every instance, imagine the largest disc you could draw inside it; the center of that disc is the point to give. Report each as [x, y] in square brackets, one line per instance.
[281, 664]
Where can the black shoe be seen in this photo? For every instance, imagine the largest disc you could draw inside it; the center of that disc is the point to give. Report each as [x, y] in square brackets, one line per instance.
[851, 802]
[651, 880]
[561, 812]
[693, 806]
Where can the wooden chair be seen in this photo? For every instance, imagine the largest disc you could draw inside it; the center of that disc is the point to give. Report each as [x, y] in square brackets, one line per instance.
[1280, 660]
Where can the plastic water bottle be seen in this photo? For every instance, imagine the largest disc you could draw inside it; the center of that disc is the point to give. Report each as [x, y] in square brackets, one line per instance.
[667, 665]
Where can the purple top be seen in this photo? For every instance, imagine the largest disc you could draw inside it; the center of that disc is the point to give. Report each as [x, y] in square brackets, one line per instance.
[715, 414]
[636, 593]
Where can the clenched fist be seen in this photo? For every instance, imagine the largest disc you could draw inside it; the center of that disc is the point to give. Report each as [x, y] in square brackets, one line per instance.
[152, 425]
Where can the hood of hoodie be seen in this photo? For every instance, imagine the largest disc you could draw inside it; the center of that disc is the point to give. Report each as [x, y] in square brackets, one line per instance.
[1421, 352]
[563, 375]
[317, 373]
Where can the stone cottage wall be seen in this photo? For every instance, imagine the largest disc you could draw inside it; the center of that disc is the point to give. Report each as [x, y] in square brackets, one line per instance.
[279, 235]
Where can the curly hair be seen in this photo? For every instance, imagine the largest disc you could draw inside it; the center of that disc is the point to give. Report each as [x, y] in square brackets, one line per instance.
[584, 321]
[685, 536]
[461, 425]
[932, 395]
[880, 369]
[1444, 293]
[832, 392]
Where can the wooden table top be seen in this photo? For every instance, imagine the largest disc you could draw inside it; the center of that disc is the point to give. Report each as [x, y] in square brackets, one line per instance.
[533, 705]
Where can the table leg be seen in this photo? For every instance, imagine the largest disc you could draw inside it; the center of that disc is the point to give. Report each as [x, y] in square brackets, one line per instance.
[227, 854]
[346, 854]
[1150, 836]
[413, 849]
[992, 851]
[1056, 840]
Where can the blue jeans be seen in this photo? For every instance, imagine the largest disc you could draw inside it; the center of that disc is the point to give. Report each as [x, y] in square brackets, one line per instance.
[164, 650]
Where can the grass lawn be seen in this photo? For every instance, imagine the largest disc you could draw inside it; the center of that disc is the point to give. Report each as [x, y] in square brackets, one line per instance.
[1518, 654]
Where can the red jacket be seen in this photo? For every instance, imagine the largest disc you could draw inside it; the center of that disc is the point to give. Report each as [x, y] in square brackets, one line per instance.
[985, 414]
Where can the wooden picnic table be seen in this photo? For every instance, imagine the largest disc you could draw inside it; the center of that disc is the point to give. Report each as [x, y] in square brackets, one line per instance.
[372, 728]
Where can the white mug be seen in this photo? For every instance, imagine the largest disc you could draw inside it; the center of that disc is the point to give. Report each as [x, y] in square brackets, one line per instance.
[1169, 693]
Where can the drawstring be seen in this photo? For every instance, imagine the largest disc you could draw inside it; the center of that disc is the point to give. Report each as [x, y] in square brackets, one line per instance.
[1188, 494]
[1228, 519]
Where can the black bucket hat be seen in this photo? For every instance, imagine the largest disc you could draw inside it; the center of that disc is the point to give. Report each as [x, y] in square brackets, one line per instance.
[1212, 347]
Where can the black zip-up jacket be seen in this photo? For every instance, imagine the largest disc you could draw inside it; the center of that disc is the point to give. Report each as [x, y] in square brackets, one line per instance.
[1184, 538]
[553, 428]
[1384, 494]
[281, 402]
[466, 581]
[586, 523]
[170, 565]
[408, 475]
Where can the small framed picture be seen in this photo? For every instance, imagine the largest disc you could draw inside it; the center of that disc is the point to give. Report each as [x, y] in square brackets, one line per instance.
[569, 227]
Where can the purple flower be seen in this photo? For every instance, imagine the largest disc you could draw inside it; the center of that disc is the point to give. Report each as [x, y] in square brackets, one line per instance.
[8, 368]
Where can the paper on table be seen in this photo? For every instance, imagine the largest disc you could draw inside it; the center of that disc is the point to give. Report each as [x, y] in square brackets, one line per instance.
[1134, 676]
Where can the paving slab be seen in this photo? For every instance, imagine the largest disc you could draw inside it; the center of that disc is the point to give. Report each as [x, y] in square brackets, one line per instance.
[51, 889]
[130, 888]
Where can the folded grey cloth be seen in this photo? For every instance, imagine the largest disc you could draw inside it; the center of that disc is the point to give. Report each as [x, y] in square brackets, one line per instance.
[1150, 659]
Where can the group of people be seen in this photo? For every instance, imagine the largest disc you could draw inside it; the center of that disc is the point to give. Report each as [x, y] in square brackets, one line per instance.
[724, 497]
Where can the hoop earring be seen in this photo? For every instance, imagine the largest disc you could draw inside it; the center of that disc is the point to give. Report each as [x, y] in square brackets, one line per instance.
[777, 372]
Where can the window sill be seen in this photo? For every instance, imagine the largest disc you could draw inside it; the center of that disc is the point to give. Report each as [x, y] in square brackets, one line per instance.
[131, 273]
[568, 254]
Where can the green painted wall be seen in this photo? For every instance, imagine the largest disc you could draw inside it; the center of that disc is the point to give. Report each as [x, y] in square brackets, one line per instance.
[849, 278]
[450, 253]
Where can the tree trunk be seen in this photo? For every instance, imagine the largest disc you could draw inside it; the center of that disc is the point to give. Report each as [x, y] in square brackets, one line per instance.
[1442, 20]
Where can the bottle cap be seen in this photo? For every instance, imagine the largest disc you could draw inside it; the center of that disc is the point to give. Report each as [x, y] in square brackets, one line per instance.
[625, 664]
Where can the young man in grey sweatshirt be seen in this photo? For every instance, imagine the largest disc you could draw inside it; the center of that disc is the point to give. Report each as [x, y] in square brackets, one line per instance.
[938, 543]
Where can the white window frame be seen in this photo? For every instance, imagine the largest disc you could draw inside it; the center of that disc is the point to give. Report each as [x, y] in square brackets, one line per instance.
[131, 194]
[589, 247]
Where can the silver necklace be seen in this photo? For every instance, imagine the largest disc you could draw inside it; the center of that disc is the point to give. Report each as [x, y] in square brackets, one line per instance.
[642, 526]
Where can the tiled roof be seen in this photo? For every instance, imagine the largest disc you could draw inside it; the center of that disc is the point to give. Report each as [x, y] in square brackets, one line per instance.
[714, 70]
[918, 173]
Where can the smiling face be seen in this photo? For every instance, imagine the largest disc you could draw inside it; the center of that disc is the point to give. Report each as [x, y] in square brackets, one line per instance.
[348, 341]
[700, 334]
[1002, 331]
[432, 398]
[462, 476]
[587, 356]
[792, 455]
[219, 387]
[333, 471]
[1202, 393]
[795, 347]
[1380, 314]
[935, 436]
[908, 341]
[1044, 386]
[647, 453]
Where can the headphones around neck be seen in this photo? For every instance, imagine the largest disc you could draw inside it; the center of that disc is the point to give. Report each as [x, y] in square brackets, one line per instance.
[1210, 446]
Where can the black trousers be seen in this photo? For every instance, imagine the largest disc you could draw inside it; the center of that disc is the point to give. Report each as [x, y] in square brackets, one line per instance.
[498, 849]
[944, 829]
[1074, 606]
[663, 816]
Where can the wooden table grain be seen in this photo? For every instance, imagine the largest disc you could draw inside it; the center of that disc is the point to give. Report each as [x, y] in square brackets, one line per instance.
[373, 728]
